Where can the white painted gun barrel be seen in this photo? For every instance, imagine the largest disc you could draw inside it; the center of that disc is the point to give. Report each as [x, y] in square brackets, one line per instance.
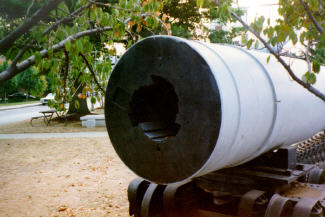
[177, 109]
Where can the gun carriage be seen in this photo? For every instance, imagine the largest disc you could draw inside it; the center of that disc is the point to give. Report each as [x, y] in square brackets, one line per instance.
[212, 130]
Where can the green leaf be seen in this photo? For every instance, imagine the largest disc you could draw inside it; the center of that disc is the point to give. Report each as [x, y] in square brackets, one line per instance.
[46, 64]
[63, 9]
[283, 32]
[257, 43]
[67, 45]
[316, 67]
[294, 38]
[268, 59]
[309, 78]
[151, 22]
[130, 42]
[50, 52]
[93, 100]
[105, 19]
[98, 98]
[79, 45]
[38, 57]
[92, 15]
[305, 77]
[314, 4]
[312, 78]
[302, 37]
[55, 65]
[249, 43]
[51, 103]
[99, 14]
[76, 104]
[199, 3]
[38, 36]
[322, 38]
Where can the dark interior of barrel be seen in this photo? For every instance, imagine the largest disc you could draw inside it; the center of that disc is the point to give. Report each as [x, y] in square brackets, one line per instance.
[154, 108]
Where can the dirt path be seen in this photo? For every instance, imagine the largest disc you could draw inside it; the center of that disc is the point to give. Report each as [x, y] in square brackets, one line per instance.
[40, 127]
[62, 177]
[86, 134]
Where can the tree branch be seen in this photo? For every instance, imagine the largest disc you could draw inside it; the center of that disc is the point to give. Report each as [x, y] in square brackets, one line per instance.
[66, 19]
[307, 58]
[13, 65]
[40, 14]
[30, 7]
[92, 72]
[311, 16]
[19, 55]
[286, 54]
[322, 3]
[307, 86]
[111, 6]
[12, 71]
[66, 71]
[169, 32]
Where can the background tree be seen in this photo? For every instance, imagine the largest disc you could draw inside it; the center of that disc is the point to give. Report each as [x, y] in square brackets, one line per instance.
[184, 17]
[28, 81]
[301, 22]
[227, 30]
[68, 40]
[31, 82]
[188, 20]
[8, 87]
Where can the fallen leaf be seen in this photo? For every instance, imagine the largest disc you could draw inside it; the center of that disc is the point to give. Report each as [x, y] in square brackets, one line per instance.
[62, 208]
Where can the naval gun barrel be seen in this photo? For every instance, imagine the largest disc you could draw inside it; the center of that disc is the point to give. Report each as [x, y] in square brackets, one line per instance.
[177, 109]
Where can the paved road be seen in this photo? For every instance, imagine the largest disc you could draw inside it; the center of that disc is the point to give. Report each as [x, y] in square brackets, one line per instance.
[53, 135]
[20, 114]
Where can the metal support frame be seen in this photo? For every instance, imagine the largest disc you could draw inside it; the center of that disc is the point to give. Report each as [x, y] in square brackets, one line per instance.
[257, 189]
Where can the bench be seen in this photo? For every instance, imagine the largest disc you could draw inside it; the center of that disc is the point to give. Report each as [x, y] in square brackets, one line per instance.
[91, 121]
[39, 116]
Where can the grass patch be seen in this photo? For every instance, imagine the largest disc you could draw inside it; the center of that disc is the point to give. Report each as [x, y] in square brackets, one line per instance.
[2, 104]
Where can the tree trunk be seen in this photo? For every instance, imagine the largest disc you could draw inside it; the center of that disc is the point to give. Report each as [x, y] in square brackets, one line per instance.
[83, 106]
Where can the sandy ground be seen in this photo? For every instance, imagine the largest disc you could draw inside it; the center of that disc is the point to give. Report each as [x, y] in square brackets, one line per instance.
[62, 177]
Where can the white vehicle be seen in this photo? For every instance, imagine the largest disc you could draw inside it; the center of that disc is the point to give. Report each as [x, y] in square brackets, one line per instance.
[49, 96]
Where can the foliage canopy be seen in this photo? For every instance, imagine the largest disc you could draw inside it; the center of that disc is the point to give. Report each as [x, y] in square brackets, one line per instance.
[72, 42]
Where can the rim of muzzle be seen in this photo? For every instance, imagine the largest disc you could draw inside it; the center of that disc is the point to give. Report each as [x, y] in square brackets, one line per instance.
[163, 110]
